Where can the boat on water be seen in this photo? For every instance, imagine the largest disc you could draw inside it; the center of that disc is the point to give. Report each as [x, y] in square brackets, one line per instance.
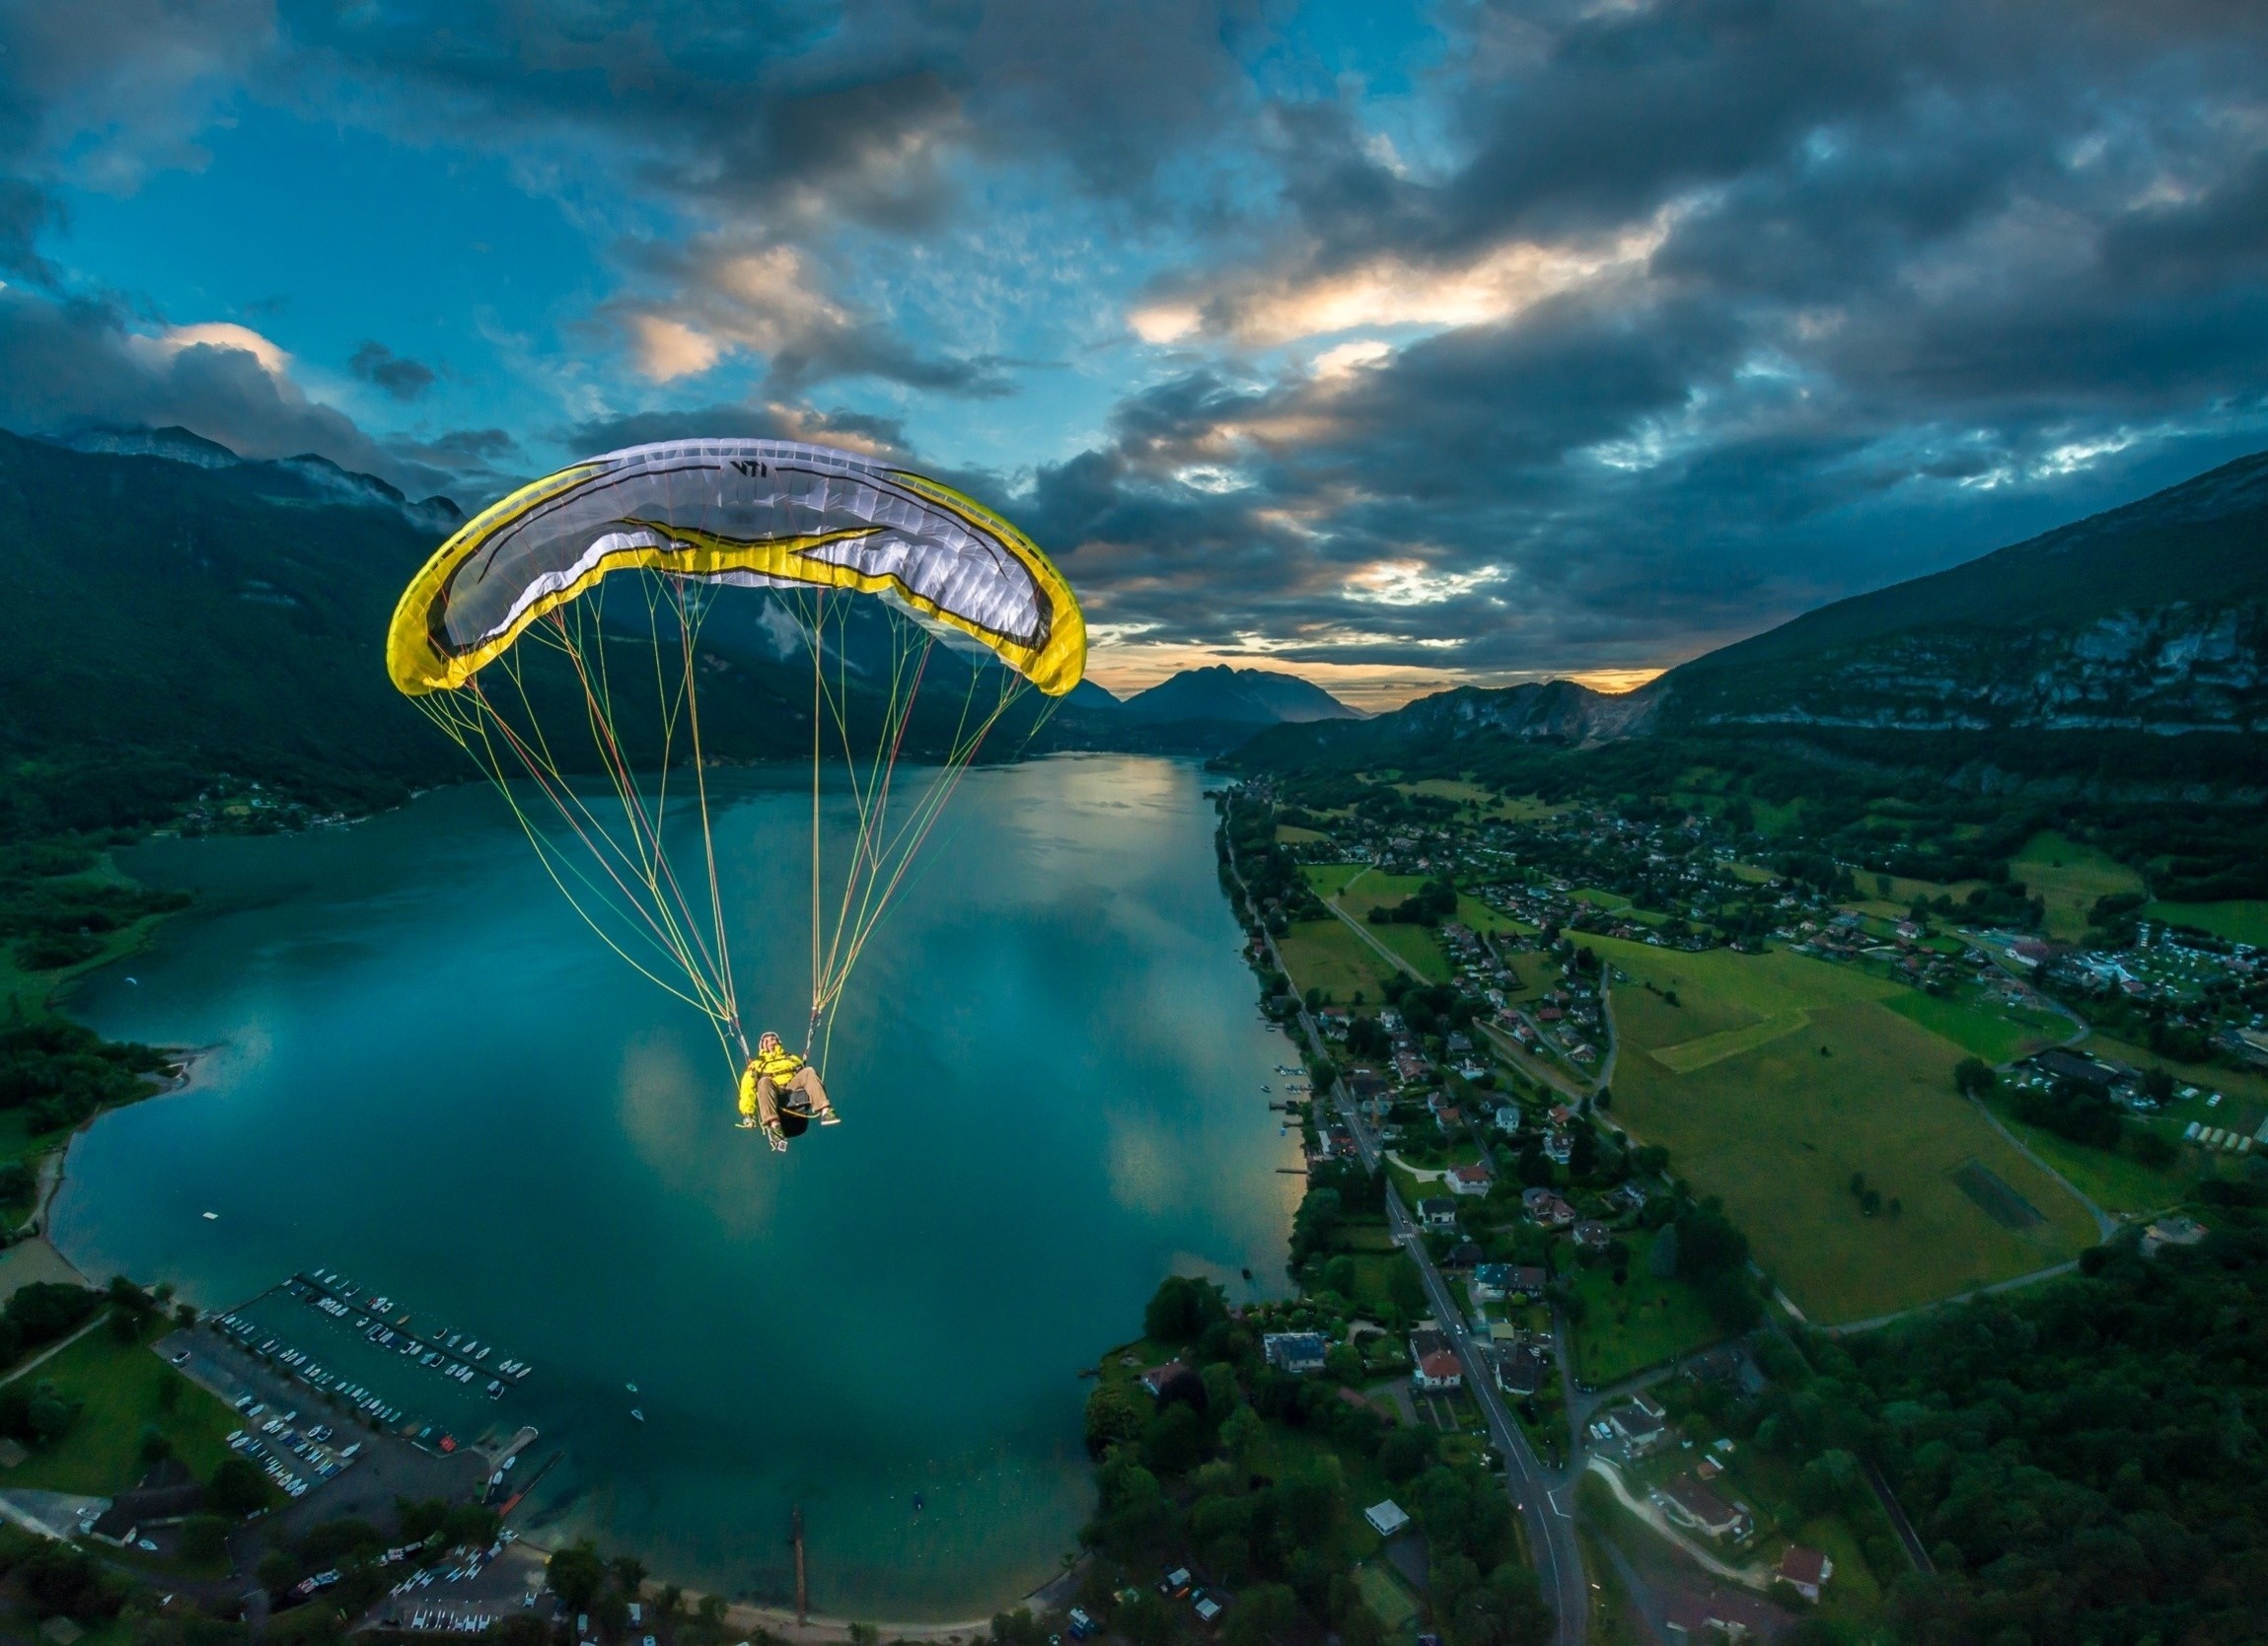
[636, 1414]
[631, 1386]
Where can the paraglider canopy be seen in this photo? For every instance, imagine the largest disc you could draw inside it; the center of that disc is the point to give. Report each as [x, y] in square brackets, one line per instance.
[759, 513]
[682, 522]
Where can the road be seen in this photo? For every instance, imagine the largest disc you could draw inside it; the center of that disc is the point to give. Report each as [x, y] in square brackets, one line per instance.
[1879, 1321]
[1549, 1518]
[1547, 1507]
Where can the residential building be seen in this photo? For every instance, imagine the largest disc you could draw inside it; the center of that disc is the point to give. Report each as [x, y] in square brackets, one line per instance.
[1592, 1236]
[1435, 1363]
[2171, 1231]
[1547, 1207]
[1157, 1377]
[1519, 1370]
[1641, 1425]
[1469, 1180]
[1690, 1503]
[1805, 1570]
[1296, 1352]
[1386, 1518]
[1440, 1214]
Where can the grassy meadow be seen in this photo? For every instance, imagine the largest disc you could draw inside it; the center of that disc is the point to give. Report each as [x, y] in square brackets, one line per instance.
[1325, 954]
[2243, 920]
[1997, 1033]
[125, 1389]
[1643, 1323]
[1777, 1127]
[2071, 876]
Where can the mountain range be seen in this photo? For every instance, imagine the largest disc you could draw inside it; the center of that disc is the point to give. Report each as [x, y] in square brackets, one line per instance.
[176, 611]
[2136, 638]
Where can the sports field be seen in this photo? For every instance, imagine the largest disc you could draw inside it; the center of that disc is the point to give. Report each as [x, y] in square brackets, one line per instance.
[1843, 1083]
[2071, 876]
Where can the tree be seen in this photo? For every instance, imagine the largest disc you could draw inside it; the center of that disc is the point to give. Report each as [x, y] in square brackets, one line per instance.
[1112, 1419]
[629, 1573]
[577, 1575]
[1828, 1482]
[1973, 1077]
[1262, 1614]
[236, 1487]
[277, 1571]
[475, 1525]
[1173, 1441]
[1182, 1308]
[1241, 1434]
[1404, 1453]
[204, 1538]
[62, 1581]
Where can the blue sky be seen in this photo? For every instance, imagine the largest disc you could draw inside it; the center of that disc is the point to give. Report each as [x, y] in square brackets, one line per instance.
[1401, 345]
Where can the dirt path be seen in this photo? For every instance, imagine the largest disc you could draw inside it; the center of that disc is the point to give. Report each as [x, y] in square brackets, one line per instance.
[1751, 1577]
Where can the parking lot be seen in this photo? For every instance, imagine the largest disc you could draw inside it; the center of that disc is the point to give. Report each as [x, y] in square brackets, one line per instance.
[467, 1597]
[384, 1468]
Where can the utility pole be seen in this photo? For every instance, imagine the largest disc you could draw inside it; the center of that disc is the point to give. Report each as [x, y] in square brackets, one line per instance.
[802, 1593]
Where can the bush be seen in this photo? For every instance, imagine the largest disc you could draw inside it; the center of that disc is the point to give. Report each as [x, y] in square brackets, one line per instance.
[1112, 1419]
[236, 1489]
[204, 1538]
[62, 1581]
[1182, 1308]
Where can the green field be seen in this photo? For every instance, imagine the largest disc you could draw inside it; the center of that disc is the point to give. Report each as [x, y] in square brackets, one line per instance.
[1325, 954]
[1642, 1323]
[2071, 876]
[2113, 1180]
[1997, 1033]
[1904, 893]
[1330, 879]
[122, 1386]
[2243, 920]
[1778, 1130]
[1367, 888]
[1689, 1056]
[1291, 836]
[1419, 948]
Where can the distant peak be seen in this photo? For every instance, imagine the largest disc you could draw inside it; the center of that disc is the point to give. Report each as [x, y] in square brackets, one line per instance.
[1257, 696]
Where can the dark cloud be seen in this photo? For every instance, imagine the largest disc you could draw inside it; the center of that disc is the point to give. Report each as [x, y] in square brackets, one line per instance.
[397, 375]
[1738, 305]
[1858, 291]
[73, 365]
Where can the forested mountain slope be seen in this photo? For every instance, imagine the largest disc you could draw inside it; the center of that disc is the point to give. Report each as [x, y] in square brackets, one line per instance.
[2127, 650]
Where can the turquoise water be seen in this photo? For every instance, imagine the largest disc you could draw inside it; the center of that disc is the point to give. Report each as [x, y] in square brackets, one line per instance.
[429, 1074]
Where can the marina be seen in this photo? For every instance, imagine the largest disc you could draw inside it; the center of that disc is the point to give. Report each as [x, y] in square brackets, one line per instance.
[352, 1345]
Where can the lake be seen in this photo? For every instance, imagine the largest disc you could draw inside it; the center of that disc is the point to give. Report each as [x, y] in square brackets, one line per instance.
[429, 1074]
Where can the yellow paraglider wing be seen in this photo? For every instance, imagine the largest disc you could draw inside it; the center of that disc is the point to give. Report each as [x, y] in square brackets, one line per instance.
[761, 512]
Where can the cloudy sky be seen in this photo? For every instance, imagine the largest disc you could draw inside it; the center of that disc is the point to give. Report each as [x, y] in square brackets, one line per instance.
[1398, 344]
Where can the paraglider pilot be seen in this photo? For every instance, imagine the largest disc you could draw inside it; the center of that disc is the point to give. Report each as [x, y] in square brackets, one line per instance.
[770, 1071]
